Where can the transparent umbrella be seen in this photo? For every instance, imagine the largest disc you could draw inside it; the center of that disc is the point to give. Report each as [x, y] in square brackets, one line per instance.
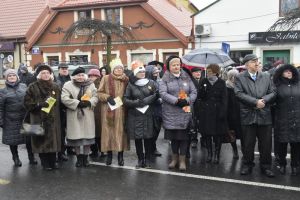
[204, 56]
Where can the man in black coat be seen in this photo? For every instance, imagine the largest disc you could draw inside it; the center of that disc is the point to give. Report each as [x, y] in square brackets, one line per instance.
[255, 92]
[62, 78]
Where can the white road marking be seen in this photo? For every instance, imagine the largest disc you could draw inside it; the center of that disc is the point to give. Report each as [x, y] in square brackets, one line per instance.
[288, 156]
[4, 182]
[211, 178]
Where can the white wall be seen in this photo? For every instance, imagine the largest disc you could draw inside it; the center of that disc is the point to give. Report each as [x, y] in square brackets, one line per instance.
[232, 20]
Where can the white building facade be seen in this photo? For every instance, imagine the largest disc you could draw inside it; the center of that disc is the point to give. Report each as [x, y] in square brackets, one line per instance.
[243, 24]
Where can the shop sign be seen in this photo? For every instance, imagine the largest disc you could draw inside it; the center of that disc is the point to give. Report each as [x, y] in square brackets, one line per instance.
[35, 50]
[274, 37]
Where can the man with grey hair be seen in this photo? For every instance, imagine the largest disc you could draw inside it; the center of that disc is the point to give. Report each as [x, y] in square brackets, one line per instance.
[255, 92]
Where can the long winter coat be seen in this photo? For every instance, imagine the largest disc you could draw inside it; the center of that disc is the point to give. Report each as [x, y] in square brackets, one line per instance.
[38, 92]
[287, 108]
[79, 125]
[233, 112]
[249, 92]
[174, 118]
[113, 135]
[12, 113]
[140, 125]
[97, 112]
[212, 107]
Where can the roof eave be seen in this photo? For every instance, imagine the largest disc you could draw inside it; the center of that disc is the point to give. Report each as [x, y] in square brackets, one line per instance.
[165, 23]
[205, 8]
[99, 5]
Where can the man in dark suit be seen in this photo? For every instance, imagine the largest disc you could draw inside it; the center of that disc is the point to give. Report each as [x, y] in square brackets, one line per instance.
[255, 92]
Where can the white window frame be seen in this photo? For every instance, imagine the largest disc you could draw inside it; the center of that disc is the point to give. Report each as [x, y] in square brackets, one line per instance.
[121, 14]
[142, 51]
[101, 53]
[77, 53]
[162, 51]
[45, 56]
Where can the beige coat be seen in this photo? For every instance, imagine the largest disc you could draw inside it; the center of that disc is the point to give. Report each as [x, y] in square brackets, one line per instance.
[79, 126]
[113, 138]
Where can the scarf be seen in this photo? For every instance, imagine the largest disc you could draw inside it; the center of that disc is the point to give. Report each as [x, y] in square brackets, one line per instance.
[111, 89]
[212, 80]
[12, 85]
[142, 82]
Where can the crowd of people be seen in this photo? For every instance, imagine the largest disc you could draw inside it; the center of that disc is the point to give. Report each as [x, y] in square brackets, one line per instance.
[99, 112]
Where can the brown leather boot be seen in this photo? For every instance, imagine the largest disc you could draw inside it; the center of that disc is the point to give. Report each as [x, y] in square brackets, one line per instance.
[174, 161]
[182, 164]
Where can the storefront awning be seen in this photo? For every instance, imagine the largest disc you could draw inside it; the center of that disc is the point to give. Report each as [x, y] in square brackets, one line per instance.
[7, 46]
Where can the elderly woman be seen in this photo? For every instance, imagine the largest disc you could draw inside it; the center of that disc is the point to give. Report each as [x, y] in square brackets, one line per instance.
[233, 114]
[287, 115]
[178, 93]
[35, 99]
[12, 113]
[139, 98]
[80, 97]
[113, 136]
[212, 111]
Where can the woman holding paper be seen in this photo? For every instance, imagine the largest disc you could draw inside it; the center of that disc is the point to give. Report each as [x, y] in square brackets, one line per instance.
[80, 97]
[42, 101]
[111, 91]
[178, 94]
[140, 96]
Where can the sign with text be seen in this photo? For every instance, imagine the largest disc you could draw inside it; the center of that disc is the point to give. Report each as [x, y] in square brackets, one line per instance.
[35, 50]
[274, 37]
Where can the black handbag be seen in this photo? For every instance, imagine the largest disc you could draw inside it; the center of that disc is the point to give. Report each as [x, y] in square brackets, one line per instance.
[28, 129]
[229, 136]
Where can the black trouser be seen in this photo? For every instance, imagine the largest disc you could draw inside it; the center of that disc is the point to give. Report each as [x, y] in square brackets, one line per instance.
[179, 147]
[263, 133]
[63, 125]
[295, 153]
[140, 150]
[48, 159]
[156, 131]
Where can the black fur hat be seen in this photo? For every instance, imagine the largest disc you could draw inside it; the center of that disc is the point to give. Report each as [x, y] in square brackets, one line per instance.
[278, 79]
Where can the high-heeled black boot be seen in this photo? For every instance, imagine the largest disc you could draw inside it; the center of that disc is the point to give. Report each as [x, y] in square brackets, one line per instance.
[208, 144]
[109, 158]
[120, 158]
[218, 144]
[15, 155]
[86, 162]
[79, 162]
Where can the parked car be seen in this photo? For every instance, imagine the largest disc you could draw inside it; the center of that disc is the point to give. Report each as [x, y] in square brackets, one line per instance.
[72, 67]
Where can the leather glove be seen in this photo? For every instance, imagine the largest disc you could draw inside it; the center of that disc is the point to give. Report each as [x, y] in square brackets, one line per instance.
[84, 104]
[182, 103]
[42, 105]
[141, 103]
[111, 101]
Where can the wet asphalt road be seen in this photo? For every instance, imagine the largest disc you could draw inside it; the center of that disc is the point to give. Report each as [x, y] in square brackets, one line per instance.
[201, 180]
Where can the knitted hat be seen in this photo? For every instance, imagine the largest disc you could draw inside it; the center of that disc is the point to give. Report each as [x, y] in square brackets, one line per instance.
[137, 66]
[79, 70]
[116, 63]
[10, 71]
[94, 72]
[170, 59]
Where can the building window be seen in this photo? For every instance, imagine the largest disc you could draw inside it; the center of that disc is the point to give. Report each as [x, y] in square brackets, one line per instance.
[144, 57]
[53, 60]
[84, 14]
[113, 15]
[288, 5]
[166, 55]
[237, 56]
[79, 59]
